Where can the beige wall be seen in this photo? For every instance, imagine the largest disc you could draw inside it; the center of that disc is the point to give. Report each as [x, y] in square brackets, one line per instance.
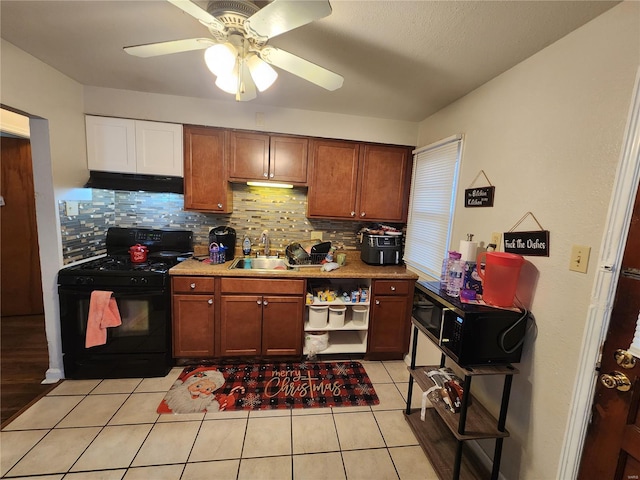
[548, 134]
[148, 106]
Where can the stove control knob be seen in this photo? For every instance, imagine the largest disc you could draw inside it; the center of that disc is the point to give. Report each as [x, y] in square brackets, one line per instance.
[80, 280]
[144, 281]
[90, 280]
[133, 280]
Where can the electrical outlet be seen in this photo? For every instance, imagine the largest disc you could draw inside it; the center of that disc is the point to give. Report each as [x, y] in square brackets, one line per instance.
[495, 239]
[316, 235]
[72, 208]
[579, 258]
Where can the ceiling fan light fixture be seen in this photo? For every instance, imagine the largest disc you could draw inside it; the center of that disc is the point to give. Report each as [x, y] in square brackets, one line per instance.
[262, 73]
[228, 82]
[220, 58]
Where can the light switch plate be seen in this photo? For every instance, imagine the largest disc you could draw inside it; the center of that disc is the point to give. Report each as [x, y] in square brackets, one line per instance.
[72, 208]
[579, 258]
[316, 235]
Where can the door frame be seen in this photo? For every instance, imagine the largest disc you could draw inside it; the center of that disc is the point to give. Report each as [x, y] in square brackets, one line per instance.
[604, 288]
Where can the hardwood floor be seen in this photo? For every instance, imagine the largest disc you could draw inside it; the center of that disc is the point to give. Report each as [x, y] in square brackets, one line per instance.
[24, 362]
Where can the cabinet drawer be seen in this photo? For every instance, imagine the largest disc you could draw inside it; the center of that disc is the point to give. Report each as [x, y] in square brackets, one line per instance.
[192, 284]
[262, 286]
[390, 287]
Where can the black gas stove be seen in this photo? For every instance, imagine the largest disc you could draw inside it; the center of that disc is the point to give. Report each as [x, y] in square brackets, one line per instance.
[141, 345]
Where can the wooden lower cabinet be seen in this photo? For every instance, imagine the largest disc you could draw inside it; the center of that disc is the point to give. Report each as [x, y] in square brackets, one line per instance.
[254, 325]
[261, 318]
[390, 322]
[193, 316]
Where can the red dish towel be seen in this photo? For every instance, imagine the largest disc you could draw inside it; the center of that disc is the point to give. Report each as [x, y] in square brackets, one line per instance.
[103, 313]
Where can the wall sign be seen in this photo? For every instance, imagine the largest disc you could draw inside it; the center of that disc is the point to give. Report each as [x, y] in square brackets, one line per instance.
[479, 197]
[534, 243]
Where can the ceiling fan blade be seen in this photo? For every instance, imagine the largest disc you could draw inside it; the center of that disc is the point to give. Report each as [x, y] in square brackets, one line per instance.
[199, 14]
[247, 90]
[283, 15]
[166, 48]
[302, 68]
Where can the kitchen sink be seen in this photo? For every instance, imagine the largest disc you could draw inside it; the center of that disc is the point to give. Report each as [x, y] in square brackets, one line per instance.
[260, 263]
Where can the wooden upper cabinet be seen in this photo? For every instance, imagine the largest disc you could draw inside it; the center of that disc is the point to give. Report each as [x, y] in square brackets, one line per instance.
[206, 187]
[359, 181]
[263, 157]
[333, 179]
[384, 183]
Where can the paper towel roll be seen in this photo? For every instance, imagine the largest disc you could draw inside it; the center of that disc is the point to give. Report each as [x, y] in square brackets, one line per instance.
[468, 250]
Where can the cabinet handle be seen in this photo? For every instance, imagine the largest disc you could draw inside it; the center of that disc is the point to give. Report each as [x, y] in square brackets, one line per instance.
[353, 214]
[220, 205]
[259, 302]
[362, 214]
[393, 289]
[265, 303]
[271, 175]
[192, 286]
[210, 301]
[265, 175]
[377, 302]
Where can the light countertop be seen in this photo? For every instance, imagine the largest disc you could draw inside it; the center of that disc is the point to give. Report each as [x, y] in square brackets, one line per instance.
[354, 268]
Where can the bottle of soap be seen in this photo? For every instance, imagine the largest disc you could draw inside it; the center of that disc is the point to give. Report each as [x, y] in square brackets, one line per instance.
[246, 246]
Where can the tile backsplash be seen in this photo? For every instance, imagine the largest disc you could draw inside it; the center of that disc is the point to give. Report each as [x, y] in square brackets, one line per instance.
[280, 211]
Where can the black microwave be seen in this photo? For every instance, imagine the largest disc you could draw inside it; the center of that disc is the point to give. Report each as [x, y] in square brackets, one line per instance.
[470, 334]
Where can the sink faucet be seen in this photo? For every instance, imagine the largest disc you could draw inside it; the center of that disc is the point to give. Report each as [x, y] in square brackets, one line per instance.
[264, 240]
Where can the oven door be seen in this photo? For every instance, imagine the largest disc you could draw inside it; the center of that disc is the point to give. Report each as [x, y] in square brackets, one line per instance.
[140, 347]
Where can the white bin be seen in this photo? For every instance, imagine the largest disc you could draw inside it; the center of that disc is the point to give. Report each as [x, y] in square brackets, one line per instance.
[318, 316]
[359, 314]
[336, 316]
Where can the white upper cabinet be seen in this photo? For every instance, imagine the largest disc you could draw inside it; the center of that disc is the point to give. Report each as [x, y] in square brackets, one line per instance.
[134, 146]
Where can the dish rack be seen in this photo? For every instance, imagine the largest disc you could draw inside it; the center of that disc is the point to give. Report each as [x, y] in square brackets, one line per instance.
[309, 260]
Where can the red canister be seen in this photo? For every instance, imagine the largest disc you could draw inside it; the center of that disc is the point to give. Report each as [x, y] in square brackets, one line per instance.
[138, 253]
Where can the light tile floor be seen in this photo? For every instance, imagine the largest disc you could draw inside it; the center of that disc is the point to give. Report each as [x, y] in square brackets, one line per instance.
[109, 430]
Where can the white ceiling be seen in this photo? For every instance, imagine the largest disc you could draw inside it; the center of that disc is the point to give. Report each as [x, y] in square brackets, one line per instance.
[400, 60]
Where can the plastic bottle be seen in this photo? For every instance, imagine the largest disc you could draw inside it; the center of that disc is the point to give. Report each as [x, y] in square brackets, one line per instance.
[446, 266]
[454, 284]
[246, 246]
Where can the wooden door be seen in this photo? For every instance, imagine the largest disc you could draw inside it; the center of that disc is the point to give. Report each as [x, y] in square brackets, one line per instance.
[206, 188]
[288, 159]
[193, 326]
[389, 326]
[282, 326]
[240, 325]
[248, 156]
[385, 177]
[21, 277]
[612, 444]
[333, 182]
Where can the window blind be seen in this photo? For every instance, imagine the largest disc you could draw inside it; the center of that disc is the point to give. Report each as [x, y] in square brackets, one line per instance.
[431, 205]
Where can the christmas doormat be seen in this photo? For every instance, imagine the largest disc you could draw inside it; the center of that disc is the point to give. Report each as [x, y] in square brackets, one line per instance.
[265, 386]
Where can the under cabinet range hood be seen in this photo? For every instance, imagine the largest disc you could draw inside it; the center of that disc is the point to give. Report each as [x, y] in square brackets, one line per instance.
[134, 182]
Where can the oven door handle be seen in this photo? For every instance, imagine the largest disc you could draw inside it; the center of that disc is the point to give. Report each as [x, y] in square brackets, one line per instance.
[87, 292]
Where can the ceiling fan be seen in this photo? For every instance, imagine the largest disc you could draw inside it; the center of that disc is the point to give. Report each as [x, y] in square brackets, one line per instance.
[238, 53]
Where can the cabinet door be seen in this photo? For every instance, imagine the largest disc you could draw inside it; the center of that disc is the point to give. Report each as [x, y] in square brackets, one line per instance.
[282, 319]
[384, 182]
[205, 182]
[240, 325]
[159, 148]
[111, 144]
[193, 325]
[248, 156]
[288, 159]
[333, 182]
[389, 326]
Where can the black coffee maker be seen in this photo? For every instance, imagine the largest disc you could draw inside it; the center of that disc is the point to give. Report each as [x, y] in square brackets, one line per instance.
[224, 236]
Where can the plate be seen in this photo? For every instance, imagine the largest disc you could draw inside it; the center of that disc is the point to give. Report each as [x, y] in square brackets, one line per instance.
[393, 234]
